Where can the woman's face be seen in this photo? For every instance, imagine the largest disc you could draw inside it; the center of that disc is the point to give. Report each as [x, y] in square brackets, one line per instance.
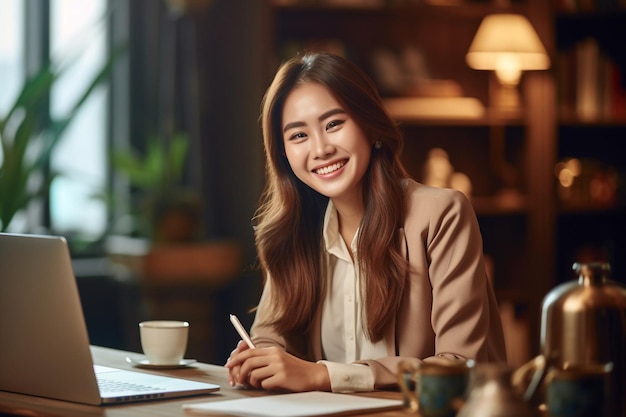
[325, 147]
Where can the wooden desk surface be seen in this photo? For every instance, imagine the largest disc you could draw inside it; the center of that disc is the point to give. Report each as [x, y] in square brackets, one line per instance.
[24, 405]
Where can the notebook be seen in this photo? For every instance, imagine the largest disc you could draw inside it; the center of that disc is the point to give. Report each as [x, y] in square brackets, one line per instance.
[44, 344]
[303, 404]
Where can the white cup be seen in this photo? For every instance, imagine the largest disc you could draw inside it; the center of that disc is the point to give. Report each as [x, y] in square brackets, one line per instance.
[164, 342]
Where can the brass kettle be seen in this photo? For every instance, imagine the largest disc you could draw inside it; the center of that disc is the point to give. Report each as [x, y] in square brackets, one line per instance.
[583, 322]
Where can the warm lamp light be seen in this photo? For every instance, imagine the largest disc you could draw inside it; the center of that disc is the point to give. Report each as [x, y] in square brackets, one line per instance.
[507, 44]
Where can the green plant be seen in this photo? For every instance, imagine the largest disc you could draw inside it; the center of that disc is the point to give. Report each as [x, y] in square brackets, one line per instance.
[163, 208]
[28, 137]
[160, 170]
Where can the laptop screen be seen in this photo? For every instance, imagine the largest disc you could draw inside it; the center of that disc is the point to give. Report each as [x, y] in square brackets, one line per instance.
[44, 348]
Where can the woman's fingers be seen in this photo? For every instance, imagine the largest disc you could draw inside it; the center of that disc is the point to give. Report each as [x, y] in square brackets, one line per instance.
[274, 369]
[241, 364]
[233, 363]
[256, 368]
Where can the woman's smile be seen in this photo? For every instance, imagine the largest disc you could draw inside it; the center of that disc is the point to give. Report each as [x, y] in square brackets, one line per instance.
[331, 168]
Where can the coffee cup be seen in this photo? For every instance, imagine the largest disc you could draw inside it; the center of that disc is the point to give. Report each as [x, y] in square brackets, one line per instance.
[434, 389]
[164, 342]
[579, 391]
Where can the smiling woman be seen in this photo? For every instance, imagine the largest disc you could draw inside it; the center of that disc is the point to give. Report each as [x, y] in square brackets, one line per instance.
[364, 268]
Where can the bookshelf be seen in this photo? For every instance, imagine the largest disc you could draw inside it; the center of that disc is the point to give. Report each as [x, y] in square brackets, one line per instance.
[534, 234]
[591, 88]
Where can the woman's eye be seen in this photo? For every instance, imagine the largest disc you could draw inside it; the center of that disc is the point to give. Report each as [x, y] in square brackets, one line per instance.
[298, 135]
[333, 124]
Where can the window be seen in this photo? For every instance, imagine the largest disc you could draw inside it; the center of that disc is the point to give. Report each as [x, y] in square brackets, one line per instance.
[81, 157]
[78, 35]
[11, 68]
[11, 41]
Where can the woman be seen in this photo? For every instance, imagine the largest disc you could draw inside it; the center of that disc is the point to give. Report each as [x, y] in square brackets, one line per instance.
[363, 266]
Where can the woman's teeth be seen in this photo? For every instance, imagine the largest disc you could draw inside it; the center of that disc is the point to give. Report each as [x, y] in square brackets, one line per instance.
[330, 168]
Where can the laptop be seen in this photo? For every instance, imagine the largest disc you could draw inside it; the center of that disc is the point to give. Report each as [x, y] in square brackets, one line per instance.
[44, 344]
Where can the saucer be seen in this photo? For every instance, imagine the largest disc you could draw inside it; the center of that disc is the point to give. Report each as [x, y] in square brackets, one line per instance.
[145, 363]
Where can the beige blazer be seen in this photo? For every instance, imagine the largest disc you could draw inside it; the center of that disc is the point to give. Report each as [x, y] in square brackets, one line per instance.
[449, 309]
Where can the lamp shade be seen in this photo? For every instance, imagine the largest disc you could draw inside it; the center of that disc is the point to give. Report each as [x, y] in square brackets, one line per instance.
[507, 39]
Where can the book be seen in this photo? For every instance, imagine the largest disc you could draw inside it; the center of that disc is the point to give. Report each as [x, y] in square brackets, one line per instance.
[587, 95]
[303, 404]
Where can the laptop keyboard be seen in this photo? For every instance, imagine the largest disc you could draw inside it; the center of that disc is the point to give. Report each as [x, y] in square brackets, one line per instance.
[109, 386]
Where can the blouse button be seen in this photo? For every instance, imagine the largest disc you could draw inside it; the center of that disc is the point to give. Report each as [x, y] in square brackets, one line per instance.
[346, 378]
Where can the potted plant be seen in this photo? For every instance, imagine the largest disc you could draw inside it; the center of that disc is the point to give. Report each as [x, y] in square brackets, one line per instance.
[163, 209]
[168, 215]
[28, 136]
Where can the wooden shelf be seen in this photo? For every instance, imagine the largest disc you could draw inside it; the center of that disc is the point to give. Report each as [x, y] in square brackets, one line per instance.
[461, 8]
[592, 209]
[503, 204]
[568, 119]
[486, 120]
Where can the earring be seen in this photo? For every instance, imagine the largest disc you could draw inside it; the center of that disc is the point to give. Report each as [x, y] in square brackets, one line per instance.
[378, 144]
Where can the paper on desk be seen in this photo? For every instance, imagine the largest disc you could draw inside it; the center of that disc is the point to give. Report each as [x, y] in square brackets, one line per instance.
[303, 404]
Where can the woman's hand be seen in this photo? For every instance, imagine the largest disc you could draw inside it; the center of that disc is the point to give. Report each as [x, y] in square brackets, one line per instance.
[234, 370]
[274, 369]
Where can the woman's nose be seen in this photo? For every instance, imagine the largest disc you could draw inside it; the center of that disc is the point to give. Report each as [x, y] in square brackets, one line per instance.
[322, 148]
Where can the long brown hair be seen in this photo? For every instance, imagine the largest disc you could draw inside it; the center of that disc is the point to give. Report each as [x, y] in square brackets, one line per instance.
[289, 221]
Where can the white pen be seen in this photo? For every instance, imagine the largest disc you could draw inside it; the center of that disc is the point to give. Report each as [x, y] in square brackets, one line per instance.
[242, 332]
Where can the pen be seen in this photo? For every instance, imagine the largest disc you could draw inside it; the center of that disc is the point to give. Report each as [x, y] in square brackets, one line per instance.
[242, 332]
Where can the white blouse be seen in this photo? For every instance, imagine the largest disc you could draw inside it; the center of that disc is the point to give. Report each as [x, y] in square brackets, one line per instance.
[344, 338]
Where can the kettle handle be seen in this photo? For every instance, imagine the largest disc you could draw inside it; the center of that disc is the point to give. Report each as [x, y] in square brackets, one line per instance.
[406, 381]
[528, 385]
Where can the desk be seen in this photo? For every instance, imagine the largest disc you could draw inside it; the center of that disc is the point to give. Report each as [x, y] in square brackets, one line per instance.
[24, 405]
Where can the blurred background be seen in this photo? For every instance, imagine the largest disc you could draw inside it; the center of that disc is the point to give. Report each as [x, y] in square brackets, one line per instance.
[131, 128]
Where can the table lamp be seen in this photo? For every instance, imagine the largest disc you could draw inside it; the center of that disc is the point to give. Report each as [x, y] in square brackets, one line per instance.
[507, 44]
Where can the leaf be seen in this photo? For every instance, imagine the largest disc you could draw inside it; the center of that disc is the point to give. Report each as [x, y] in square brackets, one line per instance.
[155, 165]
[160, 171]
[34, 91]
[177, 155]
[129, 164]
[28, 138]
[102, 75]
